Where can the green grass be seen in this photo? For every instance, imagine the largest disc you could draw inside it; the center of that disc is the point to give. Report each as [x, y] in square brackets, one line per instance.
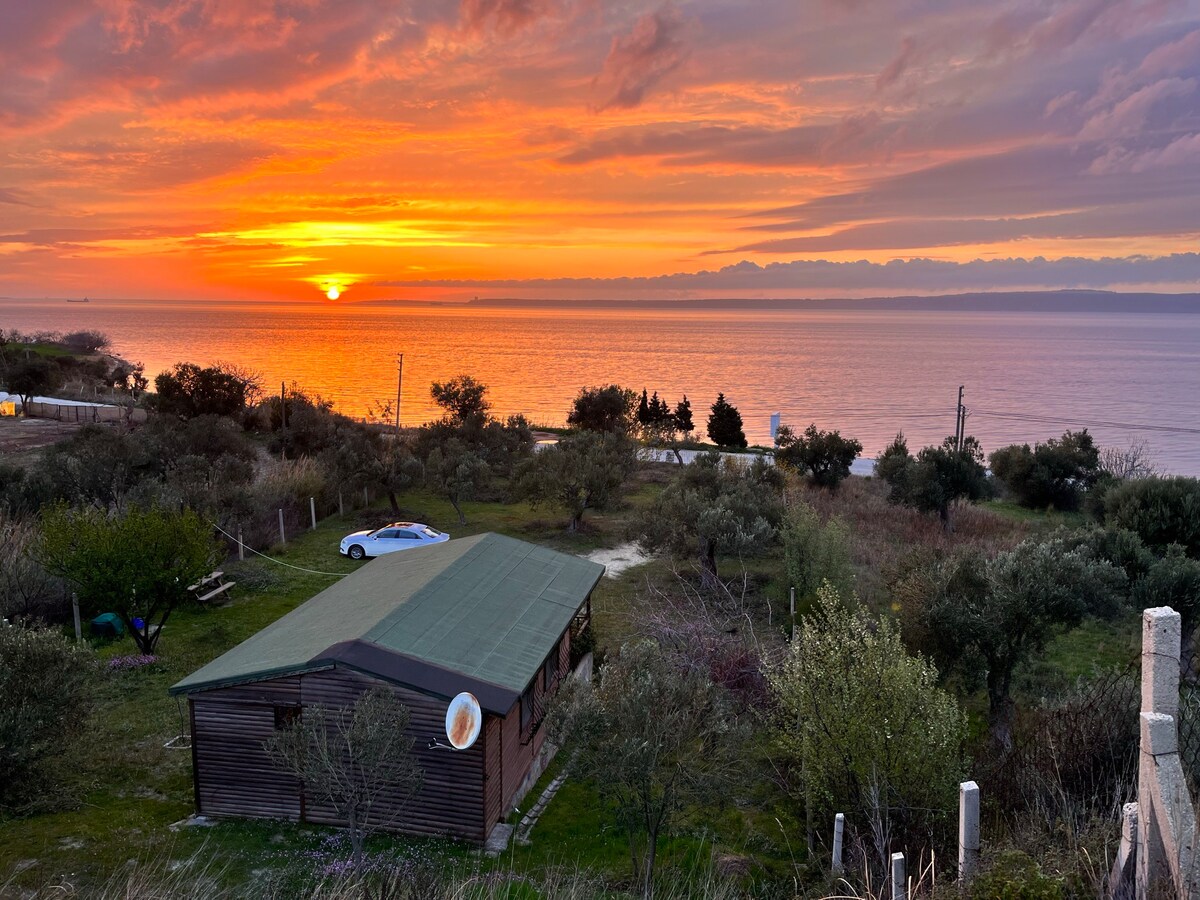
[1050, 518]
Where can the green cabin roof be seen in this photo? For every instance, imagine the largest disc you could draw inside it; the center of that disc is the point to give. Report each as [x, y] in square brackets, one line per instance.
[487, 607]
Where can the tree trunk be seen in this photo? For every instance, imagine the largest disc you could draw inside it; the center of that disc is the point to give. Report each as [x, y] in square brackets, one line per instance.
[648, 865]
[678, 455]
[576, 522]
[1000, 708]
[356, 839]
[462, 520]
[394, 502]
[708, 563]
[947, 519]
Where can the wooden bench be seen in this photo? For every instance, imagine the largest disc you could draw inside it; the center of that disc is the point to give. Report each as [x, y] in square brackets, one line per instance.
[210, 586]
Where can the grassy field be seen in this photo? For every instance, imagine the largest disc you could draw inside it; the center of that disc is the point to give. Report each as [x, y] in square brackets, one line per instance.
[121, 789]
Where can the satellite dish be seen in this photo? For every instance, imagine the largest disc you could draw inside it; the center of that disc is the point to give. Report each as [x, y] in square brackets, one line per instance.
[464, 719]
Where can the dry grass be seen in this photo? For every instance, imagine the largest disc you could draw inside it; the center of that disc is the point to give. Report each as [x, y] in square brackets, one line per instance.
[883, 535]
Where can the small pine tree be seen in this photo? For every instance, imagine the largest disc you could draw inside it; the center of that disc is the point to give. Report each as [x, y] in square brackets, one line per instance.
[683, 416]
[725, 424]
[643, 410]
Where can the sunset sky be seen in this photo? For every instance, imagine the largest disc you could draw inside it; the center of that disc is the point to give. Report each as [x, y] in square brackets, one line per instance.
[250, 149]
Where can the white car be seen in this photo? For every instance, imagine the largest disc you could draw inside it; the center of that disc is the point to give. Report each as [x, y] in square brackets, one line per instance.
[389, 539]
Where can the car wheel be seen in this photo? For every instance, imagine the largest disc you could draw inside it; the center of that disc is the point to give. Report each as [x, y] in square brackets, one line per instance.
[356, 552]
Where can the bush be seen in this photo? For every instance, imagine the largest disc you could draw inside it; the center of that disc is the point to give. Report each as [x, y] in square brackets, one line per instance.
[1015, 876]
[45, 698]
[866, 725]
[27, 591]
[1056, 474]
[86, 341]
[816, 552]
[1162, 511]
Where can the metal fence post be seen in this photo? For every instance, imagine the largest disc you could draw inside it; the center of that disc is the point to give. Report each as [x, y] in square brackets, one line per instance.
[312, 508]
[282, 535]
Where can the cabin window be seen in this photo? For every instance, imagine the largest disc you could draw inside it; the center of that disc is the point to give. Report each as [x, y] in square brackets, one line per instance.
[286, 717]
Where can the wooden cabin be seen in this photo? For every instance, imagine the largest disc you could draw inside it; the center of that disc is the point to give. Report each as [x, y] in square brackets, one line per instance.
[486, 614]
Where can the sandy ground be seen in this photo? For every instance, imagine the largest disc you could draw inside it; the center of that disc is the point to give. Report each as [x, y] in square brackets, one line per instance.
[617, 559]
[21, 440]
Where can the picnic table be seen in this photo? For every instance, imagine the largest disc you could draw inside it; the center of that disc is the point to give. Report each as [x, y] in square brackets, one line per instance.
[210, 586]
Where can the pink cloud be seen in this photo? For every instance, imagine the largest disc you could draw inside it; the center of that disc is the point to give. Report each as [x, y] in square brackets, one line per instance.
[641, 58]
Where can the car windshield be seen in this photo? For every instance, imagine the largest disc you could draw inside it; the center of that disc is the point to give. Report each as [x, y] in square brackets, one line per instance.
[430, 532]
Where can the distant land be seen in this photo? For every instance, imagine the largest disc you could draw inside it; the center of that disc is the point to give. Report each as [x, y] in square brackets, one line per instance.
[1008, 301]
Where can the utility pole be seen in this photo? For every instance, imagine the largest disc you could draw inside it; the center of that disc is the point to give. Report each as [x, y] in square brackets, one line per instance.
[283, 404]
[399, 385]
[958, 422]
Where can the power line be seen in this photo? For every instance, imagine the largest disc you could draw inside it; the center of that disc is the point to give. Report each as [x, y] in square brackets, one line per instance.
[1055, 420]
[279, 561]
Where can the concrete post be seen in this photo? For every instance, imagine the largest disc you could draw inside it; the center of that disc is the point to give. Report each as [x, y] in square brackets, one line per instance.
[839, 828]
[899, 878]
[312, 508]
[792, 599]
[282, 535]
[241, 545]
[968, 831]
[75, 614]
[1161, 633]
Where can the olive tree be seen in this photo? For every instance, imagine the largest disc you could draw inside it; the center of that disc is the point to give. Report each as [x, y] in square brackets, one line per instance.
[456, 472]
[138, 564]
[582, 471]
[358, 759]
[655, 736]
[936, 478]
[824, 455]
[713, 506]
[1001, 612]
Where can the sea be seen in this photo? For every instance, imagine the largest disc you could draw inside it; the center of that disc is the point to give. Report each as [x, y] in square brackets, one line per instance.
[869, 373]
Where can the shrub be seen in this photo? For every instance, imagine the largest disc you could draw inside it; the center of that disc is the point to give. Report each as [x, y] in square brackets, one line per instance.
[27, 591]
[866, 726]
[1163, 511]
[45, 698]
[1015, 876]
[86, 341]
[1057, 473]
[816, 551]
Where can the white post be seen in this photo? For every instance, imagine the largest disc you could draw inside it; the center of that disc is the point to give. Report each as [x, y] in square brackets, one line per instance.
[312, 508]
[899, 879]
[282, 536]
[1161, 638]
[774, 426]
[792, 600]
[839, 827]
[75, 613]
[241, 545]
[968, 831]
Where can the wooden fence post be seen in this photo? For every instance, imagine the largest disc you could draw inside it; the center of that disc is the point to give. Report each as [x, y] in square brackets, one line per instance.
[312, 508]
[282, 536]
[241, 545]
[341, 505]
[366, 497]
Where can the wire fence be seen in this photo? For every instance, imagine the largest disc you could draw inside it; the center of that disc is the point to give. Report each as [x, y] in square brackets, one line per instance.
[1075, 757]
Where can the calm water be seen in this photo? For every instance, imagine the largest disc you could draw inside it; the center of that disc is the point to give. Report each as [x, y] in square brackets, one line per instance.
[867, 373]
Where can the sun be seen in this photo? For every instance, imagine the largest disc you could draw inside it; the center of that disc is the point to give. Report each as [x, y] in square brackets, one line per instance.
[333, 293]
